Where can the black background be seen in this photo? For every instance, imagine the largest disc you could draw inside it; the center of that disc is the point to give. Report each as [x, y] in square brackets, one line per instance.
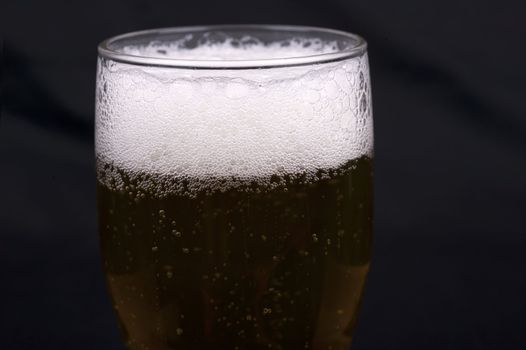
[449, 89]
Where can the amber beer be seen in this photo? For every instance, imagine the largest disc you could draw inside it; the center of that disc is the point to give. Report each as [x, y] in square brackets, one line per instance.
[256, 267]
[235, 195]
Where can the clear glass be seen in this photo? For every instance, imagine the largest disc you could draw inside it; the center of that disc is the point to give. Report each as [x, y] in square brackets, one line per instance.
[234, 177]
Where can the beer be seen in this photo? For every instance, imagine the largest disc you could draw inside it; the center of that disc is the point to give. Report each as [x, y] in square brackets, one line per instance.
[280, 266]
[235, 203]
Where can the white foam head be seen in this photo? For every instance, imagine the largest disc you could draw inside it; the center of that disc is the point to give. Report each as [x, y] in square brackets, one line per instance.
[244, 123]
[246, 48]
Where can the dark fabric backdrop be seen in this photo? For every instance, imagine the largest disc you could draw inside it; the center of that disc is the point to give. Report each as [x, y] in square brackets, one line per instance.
[449, 77]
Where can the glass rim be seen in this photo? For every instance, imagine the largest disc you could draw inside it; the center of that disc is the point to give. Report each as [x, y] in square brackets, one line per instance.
[357, 49]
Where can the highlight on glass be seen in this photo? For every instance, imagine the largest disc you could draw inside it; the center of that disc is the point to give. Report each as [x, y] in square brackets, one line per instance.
[234, 176]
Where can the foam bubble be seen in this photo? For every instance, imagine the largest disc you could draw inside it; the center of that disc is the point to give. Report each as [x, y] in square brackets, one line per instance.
[233, 123]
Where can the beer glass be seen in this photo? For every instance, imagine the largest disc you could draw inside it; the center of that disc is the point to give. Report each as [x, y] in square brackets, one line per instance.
[234, 177]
